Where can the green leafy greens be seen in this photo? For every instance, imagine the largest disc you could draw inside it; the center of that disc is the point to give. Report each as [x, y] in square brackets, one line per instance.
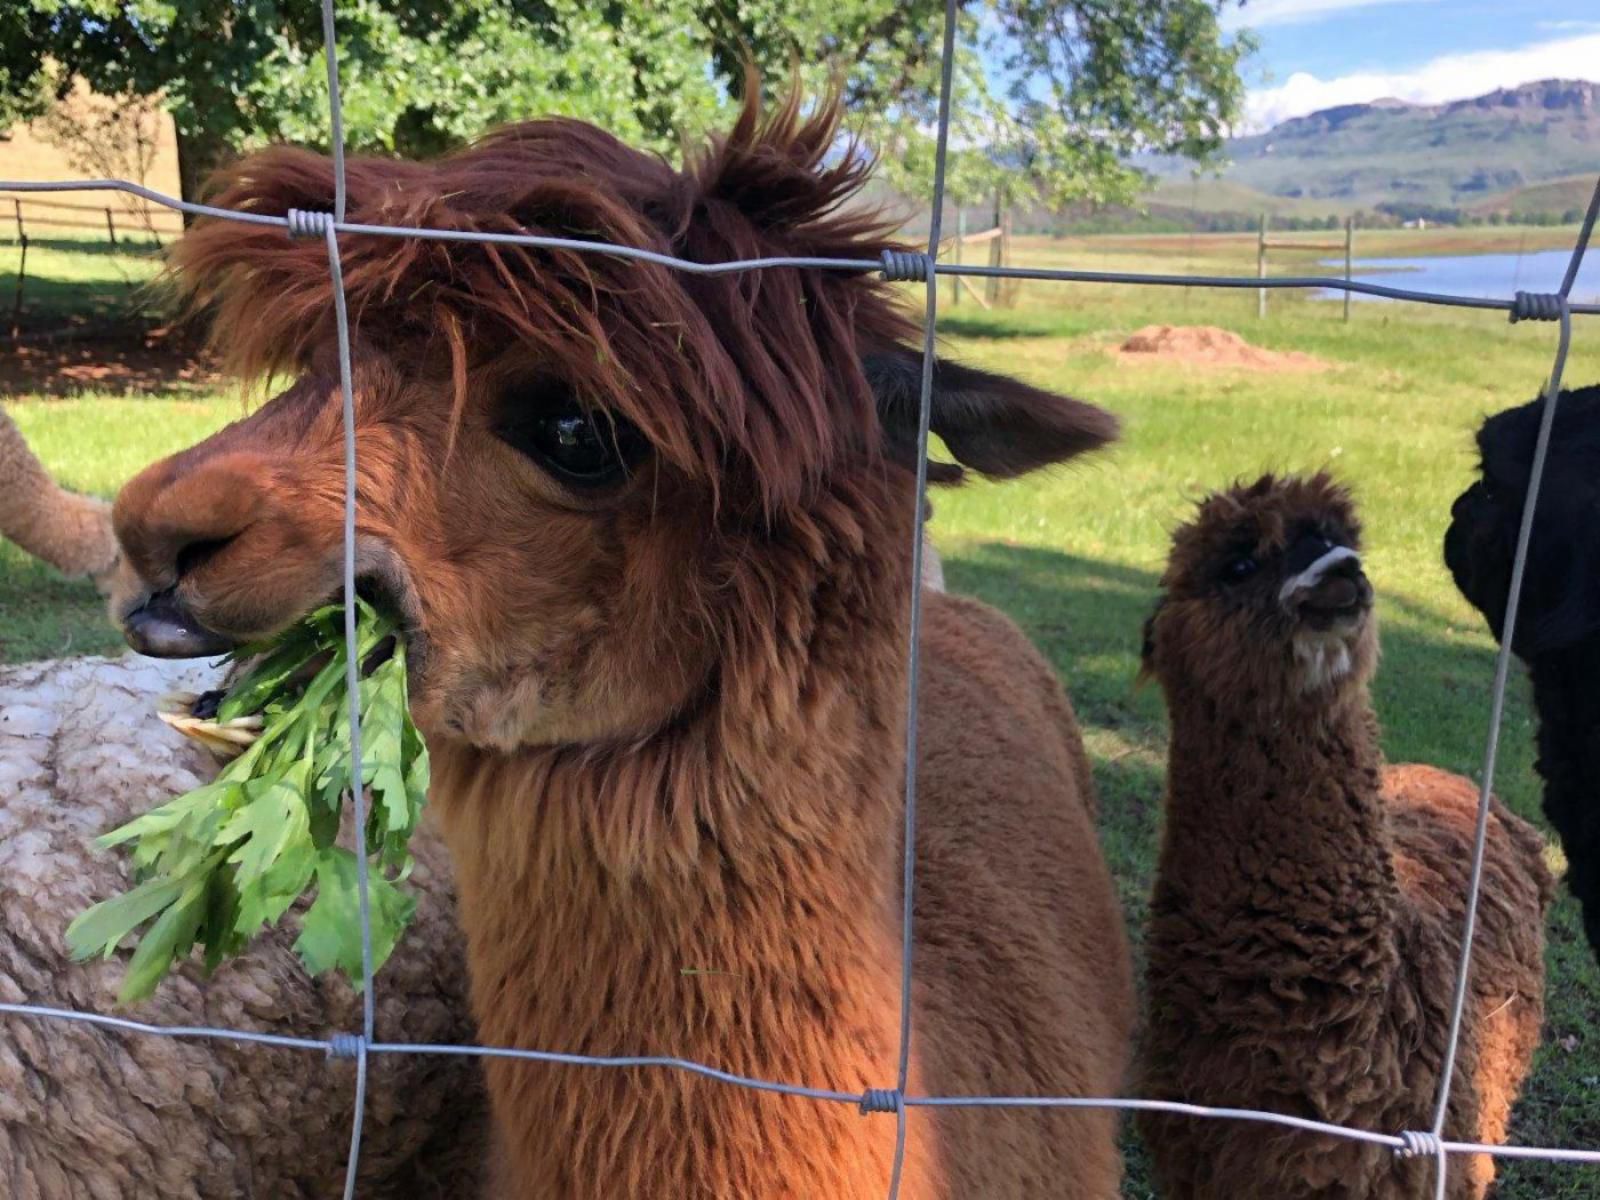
[218, 864]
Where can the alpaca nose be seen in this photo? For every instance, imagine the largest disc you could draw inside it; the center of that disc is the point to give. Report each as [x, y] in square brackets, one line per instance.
[1326, 578]
[172, 520]
[163, 627]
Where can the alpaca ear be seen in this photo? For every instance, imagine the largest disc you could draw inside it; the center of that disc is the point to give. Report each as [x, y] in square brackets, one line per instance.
[993, 424]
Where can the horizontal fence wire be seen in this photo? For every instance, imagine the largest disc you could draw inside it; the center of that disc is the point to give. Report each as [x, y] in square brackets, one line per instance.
[162, 213]
[334, 1047]
[863, 265]
[899, 266]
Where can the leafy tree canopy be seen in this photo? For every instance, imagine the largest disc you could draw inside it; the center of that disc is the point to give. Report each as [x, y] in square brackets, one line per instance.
[1050, 96]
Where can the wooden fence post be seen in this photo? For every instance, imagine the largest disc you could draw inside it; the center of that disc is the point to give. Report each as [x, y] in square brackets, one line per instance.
[22, 273]
[1261, 268]
[1008, 289]
[21, 232]
[992, 287]
[961, 232]
[111, 228]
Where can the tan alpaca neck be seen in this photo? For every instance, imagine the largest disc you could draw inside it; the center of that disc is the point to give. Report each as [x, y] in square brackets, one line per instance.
[722, 892]
[72, 533]
[1257, 806]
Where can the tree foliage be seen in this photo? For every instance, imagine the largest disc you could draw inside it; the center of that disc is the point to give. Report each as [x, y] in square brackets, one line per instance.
[1050, 96]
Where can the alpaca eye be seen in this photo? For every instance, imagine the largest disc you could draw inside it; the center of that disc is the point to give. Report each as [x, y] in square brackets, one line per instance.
[1240, 569]
[581, 448]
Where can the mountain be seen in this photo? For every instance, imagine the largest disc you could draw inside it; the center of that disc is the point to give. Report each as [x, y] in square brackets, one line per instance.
[1491, 152]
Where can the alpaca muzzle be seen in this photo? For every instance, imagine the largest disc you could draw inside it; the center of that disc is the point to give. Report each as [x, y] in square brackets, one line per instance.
[1332, 588]
[163, 627]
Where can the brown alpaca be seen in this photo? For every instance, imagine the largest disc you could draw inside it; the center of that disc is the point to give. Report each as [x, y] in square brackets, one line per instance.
[70, 532]
[649, 533]
[1308, 903]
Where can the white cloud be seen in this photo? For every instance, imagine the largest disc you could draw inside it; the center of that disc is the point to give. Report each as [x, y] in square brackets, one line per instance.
[1450, 77]
[1258, 14]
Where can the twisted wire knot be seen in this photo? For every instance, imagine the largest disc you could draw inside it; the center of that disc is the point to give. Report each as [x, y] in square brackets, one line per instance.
[1418, 1144]
[906, 266]
[1537, 306]
[882, 1100]
[304, 223]
[346, 1045]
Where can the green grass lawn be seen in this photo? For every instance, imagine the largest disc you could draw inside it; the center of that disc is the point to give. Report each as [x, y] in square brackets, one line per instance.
[82, 280]
[1074, 555]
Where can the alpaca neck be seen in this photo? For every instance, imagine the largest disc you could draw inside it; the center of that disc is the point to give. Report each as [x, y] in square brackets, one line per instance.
[1568, 705]
[1567, 700]
[1275, 838]
[723, 891]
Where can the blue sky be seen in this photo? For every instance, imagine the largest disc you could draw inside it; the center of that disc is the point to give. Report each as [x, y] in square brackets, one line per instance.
[1317, 53]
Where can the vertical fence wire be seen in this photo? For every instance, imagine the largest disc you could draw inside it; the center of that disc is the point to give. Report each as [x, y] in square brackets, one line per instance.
[914, 635]
[1558, 307]
[1502, 669]
[351, 640]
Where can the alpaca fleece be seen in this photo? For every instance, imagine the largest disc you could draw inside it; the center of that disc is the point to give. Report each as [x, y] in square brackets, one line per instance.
[1558, 630]
[98, 1114]
[666, 699]
[70, 532]
[1308, 905]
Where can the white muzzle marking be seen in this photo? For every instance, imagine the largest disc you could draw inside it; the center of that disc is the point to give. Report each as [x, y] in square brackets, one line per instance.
[1312, 575]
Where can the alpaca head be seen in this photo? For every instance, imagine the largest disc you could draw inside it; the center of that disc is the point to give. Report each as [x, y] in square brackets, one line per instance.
[583, 479]
[1561, 590]
[1264, 603]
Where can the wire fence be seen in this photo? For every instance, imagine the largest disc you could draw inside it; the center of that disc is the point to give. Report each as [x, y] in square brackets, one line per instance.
[132, 219]
[894, 266]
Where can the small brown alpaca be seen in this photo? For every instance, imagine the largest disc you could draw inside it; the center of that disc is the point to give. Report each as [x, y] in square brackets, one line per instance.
[649, 533]
[1308, 903]
[70, 532]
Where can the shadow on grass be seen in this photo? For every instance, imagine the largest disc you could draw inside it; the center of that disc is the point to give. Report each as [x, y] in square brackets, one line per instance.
[120, 357]
[43, 615]
[1432, 694]
[1009, 324]
[131, 246]
[51, 306]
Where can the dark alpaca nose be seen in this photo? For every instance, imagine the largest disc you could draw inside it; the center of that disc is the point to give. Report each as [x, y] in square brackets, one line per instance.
[1325, 580]
[163, 627]
[172, 520]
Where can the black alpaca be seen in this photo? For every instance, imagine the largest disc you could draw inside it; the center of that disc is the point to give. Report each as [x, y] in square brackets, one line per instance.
[1558, 625]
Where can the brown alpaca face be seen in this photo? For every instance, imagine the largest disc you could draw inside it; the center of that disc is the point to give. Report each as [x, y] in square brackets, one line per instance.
[581, 479]
[1265, 600]
[520, 565]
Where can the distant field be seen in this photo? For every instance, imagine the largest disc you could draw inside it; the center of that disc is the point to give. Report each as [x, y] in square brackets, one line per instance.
[1554, 196]
[1208, 195]
[1074, 555]
[1236, 252]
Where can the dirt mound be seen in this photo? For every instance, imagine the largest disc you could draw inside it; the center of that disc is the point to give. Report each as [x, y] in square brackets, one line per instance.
[1206, 345]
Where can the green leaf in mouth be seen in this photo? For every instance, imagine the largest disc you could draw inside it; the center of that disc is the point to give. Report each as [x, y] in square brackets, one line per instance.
[217, 865]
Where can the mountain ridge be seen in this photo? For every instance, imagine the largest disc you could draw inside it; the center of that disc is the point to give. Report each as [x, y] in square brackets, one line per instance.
[1462, 153]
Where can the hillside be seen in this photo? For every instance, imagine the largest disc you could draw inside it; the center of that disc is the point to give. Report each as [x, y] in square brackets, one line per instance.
[1484, 154]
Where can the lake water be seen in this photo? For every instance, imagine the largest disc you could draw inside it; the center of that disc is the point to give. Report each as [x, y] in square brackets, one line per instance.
[1497, 276]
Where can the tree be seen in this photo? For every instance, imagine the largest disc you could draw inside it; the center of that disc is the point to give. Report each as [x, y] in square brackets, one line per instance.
[1051, 97]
